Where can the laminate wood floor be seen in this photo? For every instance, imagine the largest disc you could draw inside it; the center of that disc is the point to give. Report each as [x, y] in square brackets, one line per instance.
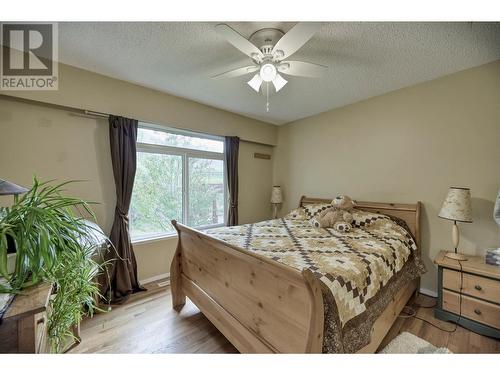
[148, 324]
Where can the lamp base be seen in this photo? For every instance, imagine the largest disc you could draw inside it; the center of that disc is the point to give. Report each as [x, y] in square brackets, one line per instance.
[456, 256]
[275, 210]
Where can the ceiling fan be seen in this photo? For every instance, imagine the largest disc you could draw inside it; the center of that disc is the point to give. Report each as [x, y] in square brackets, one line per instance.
[269, 50]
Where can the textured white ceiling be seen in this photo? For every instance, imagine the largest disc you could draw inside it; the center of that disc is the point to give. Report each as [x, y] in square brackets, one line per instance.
[364, 60]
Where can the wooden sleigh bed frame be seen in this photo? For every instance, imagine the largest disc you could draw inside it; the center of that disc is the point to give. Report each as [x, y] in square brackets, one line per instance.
[263, 306]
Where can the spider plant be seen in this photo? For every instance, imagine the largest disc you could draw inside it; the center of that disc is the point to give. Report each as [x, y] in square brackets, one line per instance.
[46, 229]
[74, 276]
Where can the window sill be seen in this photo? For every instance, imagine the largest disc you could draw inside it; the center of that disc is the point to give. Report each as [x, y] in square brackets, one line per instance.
[145, 240]
[140, 241]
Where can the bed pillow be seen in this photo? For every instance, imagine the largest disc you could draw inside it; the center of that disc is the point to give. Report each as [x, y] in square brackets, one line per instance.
[362, 218]
[308, 211]
[311, 210]
[297, 214]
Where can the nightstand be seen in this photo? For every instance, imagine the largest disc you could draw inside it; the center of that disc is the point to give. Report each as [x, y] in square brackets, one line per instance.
[23, 329]
[478, 300]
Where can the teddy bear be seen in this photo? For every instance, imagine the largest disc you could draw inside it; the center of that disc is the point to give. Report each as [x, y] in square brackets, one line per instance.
[338, 216]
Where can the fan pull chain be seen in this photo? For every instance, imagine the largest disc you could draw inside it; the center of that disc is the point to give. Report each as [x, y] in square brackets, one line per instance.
[267, 96]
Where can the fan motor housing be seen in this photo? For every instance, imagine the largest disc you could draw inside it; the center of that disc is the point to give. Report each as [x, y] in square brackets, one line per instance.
[266, 39]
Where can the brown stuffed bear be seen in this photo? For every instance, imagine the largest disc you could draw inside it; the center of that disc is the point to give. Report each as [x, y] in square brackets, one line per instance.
[338, 216]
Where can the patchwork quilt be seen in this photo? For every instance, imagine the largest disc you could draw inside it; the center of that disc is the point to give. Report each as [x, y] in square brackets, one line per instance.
[354, 266]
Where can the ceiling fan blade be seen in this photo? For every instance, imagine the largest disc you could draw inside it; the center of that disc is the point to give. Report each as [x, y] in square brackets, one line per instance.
[237, 72]
[295, 38]
[279, 82]
[302, 69]
[255, 82]
[240, 42]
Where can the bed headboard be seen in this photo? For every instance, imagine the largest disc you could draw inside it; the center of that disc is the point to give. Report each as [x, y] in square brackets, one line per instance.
[410, 213]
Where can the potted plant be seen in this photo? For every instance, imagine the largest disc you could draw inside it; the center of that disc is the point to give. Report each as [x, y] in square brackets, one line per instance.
[48, 233]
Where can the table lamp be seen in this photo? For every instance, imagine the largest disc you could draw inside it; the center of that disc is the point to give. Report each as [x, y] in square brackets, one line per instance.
[276, 199]
[457, 207]
[9, 188]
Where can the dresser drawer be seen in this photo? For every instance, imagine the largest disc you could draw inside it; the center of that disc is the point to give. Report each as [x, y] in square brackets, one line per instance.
[474, 309]
[41, 339]
[473, 285]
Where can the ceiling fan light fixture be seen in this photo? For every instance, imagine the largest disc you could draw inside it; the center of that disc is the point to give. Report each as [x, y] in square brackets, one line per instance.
[268, 48]
[268, 72]
[255, 82]
[279, 82]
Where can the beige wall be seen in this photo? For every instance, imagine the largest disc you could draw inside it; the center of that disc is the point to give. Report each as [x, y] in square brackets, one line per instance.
[82, 89]
[405, 146]
[57, 144]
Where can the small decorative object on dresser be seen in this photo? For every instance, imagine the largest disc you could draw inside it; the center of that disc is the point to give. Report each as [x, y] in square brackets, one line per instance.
[469, 294]
[276, 199]
[457, 207]
[493, 257]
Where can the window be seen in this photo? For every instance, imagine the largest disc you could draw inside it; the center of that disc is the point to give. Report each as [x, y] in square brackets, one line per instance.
[181, 176]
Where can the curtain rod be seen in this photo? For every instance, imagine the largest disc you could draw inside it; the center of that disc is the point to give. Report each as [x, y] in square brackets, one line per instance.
[85, 112]
[96, 114]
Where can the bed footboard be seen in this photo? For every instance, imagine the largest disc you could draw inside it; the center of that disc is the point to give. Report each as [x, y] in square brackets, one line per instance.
[261, 306]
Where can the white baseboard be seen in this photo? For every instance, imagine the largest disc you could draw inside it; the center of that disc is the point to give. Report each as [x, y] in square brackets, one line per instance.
[155, 278]
[428, 292]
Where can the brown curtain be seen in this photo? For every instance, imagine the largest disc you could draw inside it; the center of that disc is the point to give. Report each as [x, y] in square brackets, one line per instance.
[232, 145]
[123, 271]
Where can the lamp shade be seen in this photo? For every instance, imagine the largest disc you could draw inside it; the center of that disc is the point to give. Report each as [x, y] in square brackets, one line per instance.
[276, 195]
[457, 205]
[8, 188]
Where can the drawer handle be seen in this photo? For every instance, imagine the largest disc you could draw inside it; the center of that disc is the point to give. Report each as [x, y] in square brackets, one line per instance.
[40, 321]
[478, 287]
[477, 311]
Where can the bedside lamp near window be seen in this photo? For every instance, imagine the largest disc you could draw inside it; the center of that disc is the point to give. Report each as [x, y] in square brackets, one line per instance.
[457, 207]
[276, 200]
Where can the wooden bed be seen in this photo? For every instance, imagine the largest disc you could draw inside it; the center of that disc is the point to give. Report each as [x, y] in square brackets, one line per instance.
[260, 305]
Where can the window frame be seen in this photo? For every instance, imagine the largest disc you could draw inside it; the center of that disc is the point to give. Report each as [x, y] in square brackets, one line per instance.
[185, 154]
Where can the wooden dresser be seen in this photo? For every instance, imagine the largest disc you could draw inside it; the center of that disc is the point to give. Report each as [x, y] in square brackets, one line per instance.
[478, 301]
[23, 329]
